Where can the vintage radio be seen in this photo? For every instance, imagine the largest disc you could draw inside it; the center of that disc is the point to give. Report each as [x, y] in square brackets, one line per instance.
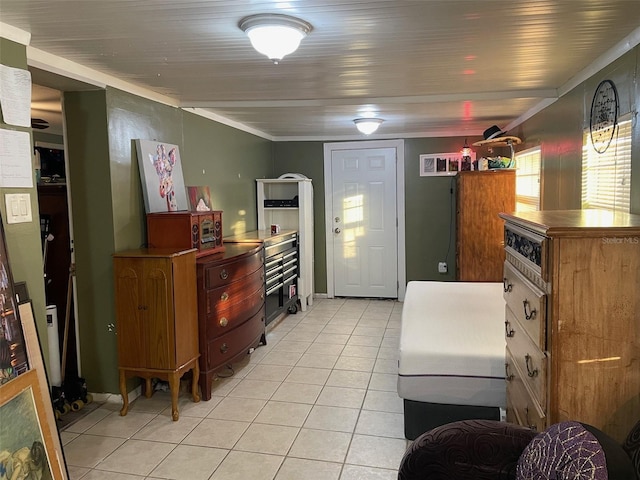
[200, 230]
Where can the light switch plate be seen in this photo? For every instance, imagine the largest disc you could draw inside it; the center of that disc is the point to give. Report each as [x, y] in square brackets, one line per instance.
[18, 207]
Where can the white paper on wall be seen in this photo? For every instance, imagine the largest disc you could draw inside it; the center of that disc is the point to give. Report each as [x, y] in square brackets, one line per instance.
[15, 96]
[15, 159]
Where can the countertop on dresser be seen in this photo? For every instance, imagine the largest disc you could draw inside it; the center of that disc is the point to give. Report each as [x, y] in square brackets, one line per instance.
[258, 236]
[232, 250]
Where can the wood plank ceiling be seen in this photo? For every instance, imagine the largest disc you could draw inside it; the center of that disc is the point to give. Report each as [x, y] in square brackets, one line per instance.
[427, 67]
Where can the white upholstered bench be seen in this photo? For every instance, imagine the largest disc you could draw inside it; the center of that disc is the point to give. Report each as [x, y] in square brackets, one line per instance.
[452, 354]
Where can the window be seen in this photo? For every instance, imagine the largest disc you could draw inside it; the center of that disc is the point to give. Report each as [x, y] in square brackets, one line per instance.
[528, 179]
[606, 177]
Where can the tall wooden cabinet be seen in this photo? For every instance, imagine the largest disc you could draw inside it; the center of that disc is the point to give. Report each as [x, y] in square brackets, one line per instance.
[288, 202]
[157, 319]
[481, 196]
[571, 284]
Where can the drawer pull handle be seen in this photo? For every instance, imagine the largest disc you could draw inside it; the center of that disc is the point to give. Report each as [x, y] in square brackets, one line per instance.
[224, 348]
[532, 313]
[224, 297]
[223, 322]
[507, 376]
[531, 373]
[508, 331]
[261, 295]
[506, 286]
[223, 274]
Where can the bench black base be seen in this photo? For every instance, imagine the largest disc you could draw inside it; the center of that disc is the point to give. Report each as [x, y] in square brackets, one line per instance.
[420, 417]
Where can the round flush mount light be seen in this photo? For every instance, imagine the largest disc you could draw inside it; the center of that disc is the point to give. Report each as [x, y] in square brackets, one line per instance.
[275, 35]
[367, 125]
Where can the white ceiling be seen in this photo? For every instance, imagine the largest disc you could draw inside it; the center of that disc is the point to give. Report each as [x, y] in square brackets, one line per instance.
[427, 67]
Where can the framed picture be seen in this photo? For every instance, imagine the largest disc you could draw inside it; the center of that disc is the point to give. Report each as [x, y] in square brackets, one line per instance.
[34, 354]
[199, 199]
[27, 448]
[445, 163]
[161, 176]
[13, 355]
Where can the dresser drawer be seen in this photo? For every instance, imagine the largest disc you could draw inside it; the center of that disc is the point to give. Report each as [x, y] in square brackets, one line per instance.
[228, 316]
[522, 407]
[535, 329]
[530, 250]
[222, 298]
[529, 359]
[222, 274]
[223, 349]
[526, 301]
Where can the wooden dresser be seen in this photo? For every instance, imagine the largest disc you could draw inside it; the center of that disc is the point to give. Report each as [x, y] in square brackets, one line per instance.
[156, 316]
[481, 196]
[231, 307]
[572, 290]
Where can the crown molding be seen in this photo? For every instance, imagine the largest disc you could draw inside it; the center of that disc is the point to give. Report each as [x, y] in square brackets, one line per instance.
[14, 34]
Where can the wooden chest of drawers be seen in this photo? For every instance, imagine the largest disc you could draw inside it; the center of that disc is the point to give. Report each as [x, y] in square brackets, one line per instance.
[572, 322]
[231, 314]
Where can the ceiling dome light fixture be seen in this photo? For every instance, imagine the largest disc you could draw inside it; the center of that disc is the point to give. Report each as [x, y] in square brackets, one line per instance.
[367, 125]
[273, 34]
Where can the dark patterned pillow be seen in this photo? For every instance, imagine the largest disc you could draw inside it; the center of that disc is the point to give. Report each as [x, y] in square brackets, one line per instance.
[632, 447]
[571, 450]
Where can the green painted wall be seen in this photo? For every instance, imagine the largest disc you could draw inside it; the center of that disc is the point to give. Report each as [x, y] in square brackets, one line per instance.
[89, 179]
[228, 161]
[429, 225]
[307, 158]
[108, 208]
[24, 247]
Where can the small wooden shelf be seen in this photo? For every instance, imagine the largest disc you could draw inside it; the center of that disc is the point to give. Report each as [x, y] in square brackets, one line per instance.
[499, 142]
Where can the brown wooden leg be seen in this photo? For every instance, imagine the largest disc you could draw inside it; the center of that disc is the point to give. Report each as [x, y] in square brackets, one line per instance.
[205, 385]
[123, 392]
[194, 381]
[174, 386]
[148, 390]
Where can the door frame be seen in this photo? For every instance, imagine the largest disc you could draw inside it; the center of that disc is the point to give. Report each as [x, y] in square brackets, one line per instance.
[329, 148]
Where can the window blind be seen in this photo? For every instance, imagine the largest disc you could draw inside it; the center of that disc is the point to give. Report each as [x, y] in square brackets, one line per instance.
[528, 179]
[606, 177]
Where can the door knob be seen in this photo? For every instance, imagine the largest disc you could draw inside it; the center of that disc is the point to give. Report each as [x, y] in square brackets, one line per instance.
[337, 230]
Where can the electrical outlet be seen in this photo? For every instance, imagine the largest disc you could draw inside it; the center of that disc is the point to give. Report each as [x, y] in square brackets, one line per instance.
[442, 267]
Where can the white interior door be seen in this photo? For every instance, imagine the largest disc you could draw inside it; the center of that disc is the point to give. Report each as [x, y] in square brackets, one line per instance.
[364, 223]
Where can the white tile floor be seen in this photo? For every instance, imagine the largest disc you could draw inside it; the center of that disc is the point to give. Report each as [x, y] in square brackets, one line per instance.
[318, 402]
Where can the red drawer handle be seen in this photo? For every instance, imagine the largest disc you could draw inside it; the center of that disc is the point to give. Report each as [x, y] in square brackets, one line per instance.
[224, 348]
[224, 297]
[223, 274]
[223, 322]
